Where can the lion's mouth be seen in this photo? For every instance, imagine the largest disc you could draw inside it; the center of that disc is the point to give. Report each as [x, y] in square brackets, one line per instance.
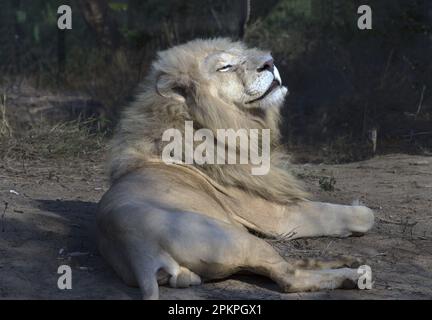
[275, 84]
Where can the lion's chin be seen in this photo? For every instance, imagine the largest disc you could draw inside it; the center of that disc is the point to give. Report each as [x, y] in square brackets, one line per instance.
[275, 99]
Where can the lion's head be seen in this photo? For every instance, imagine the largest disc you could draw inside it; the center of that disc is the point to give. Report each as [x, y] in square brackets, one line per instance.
[217, 84]
[225, 70]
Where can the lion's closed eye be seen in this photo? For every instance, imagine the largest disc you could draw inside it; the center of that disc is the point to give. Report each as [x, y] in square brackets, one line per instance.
[225, 68]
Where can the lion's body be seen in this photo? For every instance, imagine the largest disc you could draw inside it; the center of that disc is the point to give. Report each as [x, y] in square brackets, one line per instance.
[180, 222]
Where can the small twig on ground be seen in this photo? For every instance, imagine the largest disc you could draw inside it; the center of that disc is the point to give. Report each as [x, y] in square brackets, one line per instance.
[379, 254]
[326, 248]
[400, 223]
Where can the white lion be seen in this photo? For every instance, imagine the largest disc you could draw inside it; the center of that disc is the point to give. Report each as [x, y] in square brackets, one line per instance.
[182, 224]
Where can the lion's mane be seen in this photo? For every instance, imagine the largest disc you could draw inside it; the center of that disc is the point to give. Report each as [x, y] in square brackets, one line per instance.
[138, 137]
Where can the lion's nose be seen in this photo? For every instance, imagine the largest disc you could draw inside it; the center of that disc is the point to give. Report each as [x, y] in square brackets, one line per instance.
[268, 65]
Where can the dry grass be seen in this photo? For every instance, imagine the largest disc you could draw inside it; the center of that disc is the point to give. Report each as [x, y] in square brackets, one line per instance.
[109, 78]
[5, 128]
[68, 140]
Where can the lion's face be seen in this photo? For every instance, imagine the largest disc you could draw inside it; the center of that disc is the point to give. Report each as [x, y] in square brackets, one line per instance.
[225, 70]
[245, 77]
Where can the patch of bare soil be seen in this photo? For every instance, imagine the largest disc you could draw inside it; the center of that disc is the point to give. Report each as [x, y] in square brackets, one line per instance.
[47, 211]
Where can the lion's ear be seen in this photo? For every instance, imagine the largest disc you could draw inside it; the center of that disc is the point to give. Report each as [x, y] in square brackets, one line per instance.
[169, 89]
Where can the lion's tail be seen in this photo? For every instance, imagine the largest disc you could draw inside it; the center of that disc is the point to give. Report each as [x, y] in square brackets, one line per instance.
[146, 268]
[150, 271]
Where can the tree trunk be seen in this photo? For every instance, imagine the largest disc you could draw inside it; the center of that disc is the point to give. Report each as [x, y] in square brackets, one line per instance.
[245, 9]
[96, 14]
[61, 54]
[16, 5]
[133, 7]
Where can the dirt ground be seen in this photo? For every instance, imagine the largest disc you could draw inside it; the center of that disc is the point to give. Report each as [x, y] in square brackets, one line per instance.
[47, 219]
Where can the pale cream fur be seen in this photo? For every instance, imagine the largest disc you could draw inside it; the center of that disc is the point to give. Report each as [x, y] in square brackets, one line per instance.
[180, 223]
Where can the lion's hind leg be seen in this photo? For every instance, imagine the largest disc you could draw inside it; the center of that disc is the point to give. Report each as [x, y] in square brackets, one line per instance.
[216, 250]
[313, 263]
[300, 275]
[174, 247]
[313, 280]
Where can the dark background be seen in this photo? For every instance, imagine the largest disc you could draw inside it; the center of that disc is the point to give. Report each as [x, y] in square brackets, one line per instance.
[344, 82]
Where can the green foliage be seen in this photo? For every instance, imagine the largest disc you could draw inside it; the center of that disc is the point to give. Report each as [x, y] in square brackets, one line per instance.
[342, 81]
[21, 16]
[345, 81]
[36, 33]
[49, 14]
[118, 6]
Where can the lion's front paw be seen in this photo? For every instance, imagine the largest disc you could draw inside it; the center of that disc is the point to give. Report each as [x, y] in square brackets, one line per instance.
[361, 220]
[315, 280]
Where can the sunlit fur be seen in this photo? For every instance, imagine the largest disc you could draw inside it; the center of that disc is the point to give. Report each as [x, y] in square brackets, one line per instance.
[182, 86]
[181, 224]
